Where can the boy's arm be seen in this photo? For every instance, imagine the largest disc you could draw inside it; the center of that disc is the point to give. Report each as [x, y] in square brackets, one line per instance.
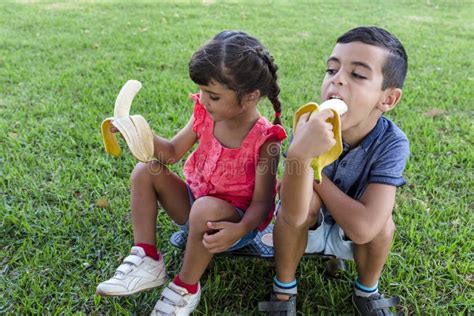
[361, 219]
[171, 151]
[313, 136]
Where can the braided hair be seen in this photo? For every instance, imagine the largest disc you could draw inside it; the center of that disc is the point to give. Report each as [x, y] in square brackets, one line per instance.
[241, 63]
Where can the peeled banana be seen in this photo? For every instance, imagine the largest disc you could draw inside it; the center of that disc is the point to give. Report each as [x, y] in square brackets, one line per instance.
[339, 108]
[134, 128]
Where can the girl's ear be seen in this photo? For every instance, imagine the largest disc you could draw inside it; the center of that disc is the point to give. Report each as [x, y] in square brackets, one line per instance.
[253, 96]
[390, 98]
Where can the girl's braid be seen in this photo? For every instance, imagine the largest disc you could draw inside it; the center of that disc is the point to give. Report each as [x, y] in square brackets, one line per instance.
[274, 89]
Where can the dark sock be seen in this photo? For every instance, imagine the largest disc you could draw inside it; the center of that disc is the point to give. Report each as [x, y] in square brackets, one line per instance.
[192, 288]
[150, 251]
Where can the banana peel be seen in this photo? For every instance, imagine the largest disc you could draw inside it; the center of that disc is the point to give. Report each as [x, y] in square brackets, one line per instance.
[134, 128]
[339, 108]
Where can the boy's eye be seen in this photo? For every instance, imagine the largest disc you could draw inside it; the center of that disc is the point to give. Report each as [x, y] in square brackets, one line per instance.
[213, 98]
[356, 75]
[331, 71]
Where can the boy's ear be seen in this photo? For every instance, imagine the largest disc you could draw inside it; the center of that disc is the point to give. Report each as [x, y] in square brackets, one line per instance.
[390, 99]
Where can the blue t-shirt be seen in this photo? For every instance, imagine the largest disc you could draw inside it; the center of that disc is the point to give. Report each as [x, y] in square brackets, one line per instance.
[380, 158]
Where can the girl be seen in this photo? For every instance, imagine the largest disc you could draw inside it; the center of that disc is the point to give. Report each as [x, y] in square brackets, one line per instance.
[230, 178]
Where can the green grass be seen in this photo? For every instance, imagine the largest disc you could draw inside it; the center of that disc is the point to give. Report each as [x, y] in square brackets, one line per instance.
[61, 67]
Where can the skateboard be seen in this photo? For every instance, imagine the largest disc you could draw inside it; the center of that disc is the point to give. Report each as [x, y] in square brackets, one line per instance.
[261, 246]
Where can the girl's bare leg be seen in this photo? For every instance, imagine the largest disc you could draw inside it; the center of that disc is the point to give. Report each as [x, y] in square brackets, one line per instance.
[197, 257]
[153, 182]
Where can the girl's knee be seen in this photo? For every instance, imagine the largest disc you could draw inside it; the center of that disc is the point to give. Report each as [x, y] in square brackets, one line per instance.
[146, 171]
[202, 211]
[140, 172]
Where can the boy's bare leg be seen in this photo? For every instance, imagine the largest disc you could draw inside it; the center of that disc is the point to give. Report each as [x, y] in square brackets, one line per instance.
[152, 182]
[313, 136]
[197, 257]
[299, 211]
[290, 242]
[370, 258]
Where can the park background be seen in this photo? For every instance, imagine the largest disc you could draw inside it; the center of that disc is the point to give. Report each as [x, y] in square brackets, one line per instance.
[65, 204]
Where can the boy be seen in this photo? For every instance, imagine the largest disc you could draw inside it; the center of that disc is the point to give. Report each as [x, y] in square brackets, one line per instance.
[349, 214]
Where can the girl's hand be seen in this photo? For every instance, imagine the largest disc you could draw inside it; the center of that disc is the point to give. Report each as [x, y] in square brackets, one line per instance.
[227, 234]
[113, 129]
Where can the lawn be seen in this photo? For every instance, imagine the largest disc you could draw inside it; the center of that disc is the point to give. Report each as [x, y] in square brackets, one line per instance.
[64, 213]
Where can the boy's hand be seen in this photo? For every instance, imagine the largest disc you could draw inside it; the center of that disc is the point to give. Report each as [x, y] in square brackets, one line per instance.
[227, 234]
[313, 136]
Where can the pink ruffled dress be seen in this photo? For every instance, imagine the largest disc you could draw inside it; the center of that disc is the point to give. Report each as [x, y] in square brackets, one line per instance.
[227, 173]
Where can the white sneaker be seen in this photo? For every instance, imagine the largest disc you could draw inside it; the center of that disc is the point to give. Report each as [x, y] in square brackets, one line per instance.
[176, 300]
[137, 273]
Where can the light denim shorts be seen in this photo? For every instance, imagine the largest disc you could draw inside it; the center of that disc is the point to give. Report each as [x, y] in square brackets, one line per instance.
[328, 239]
[242, 242]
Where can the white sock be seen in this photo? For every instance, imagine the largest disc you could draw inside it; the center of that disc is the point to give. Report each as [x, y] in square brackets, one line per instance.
[365, 291]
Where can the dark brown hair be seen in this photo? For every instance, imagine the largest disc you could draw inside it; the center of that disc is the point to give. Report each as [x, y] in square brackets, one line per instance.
[239, 62]
[395, 69]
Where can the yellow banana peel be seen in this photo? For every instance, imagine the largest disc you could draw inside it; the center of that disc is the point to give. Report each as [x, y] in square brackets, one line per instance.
[134, 128]
[339, 108]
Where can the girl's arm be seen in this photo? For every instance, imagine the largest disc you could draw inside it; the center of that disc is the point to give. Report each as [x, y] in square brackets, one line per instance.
[263, 196]
[171, 151]
[256, 213]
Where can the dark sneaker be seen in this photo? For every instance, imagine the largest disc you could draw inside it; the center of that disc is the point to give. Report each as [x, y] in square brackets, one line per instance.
[275, 307]
[335, 267]
[375, 305]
